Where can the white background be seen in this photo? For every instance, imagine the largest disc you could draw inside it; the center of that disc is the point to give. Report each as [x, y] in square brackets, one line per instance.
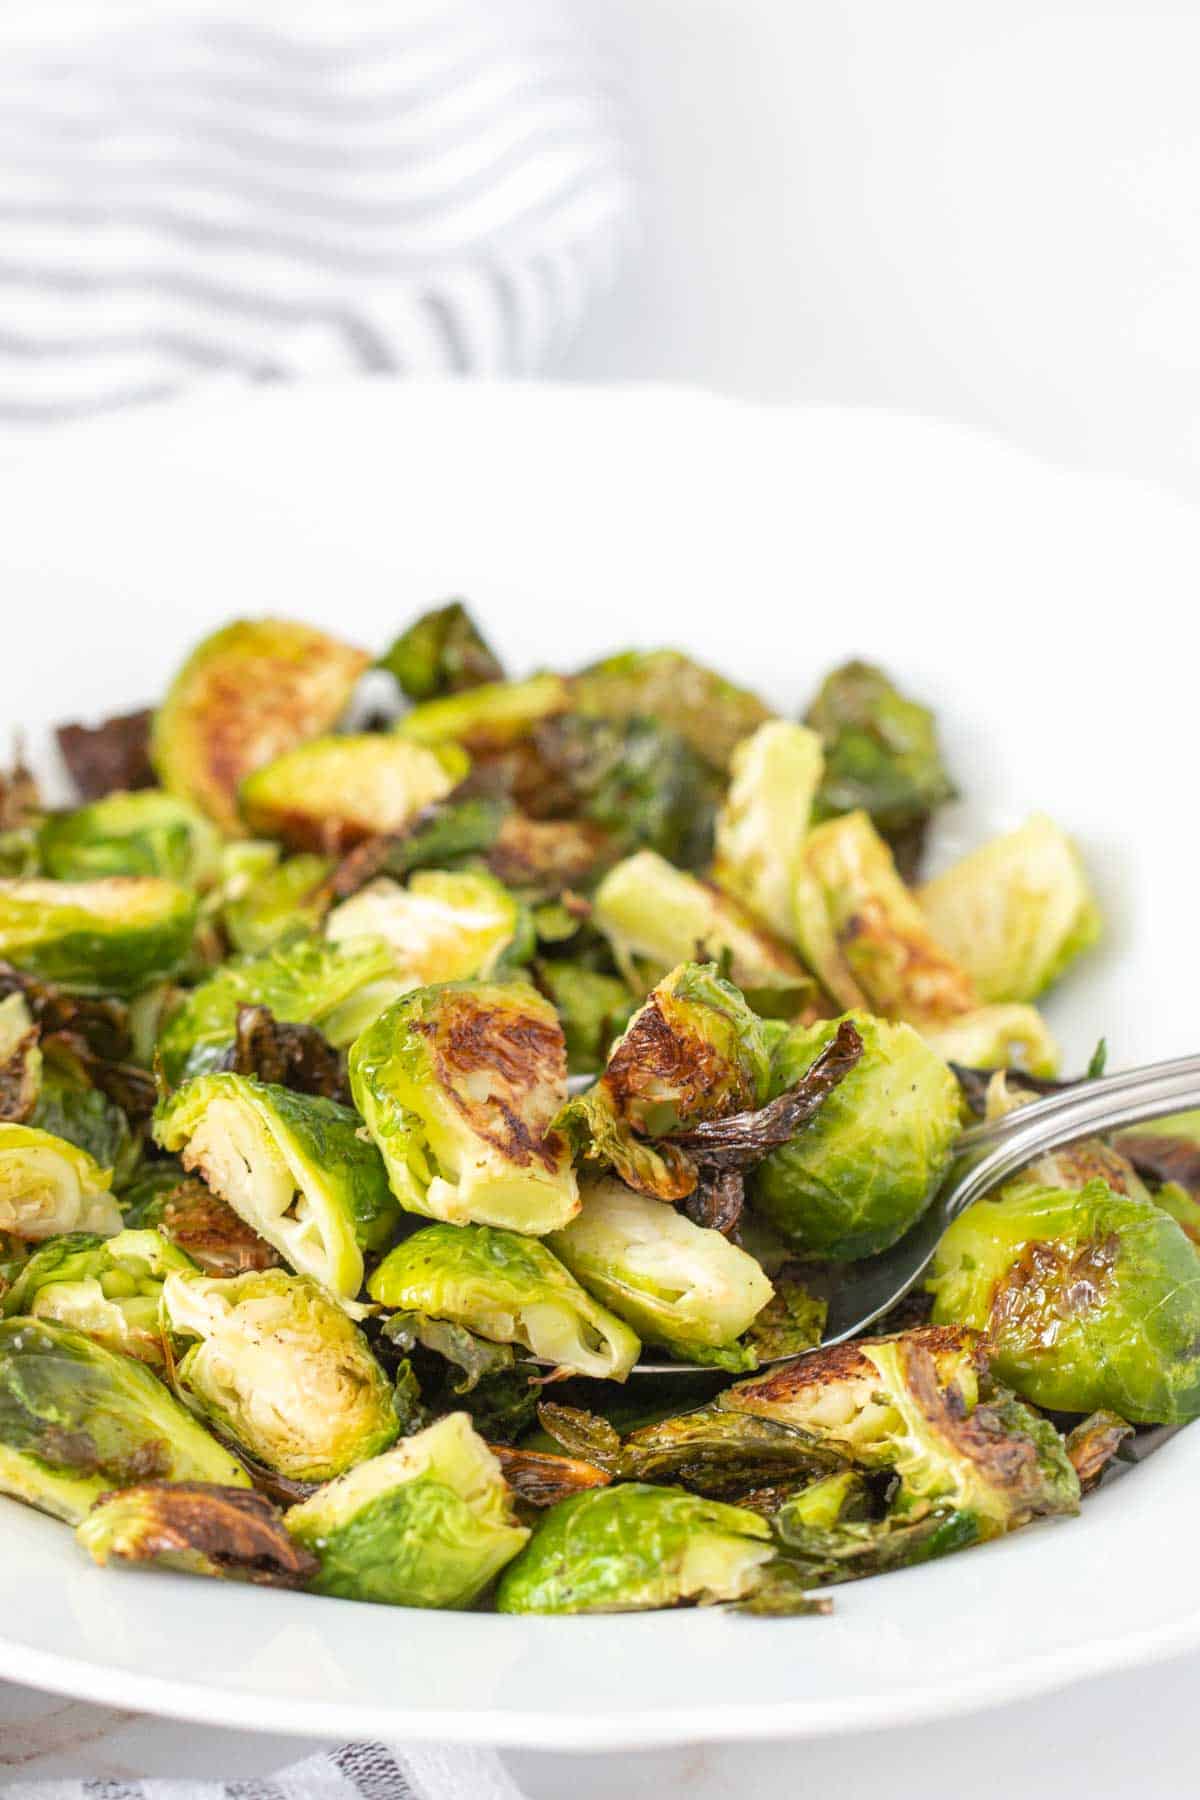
[987, 212]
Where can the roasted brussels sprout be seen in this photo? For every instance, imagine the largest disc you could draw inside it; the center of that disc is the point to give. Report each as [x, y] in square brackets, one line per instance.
[594, 1009]
[677, 1284]
[181, 1209]
[293, 1166]
[833, 1542]
[48, 1186]
[508, 1288]
[1093, 1444]
[106, 1288]
[693, 1051]
[114, 935]
[441, 927]
[881, 755]
[706, 709]
[247, 694]
[459, 1086]
[114, 754]
[196, 1528]
[635, 1548]
[541, 858]
[863, 934]
[909, 1403]
[277, 903]
[852, 1180]
[1015, 912]
[77, 1419]
[428, 1524]
[487, 717]
[303, 983]
[291, 1056]
[762, 825]
[442, 652]
[146, 833]
[1090, 1299]
[278, 1366]
[330, 794]
[997, 1037]
[656, 916]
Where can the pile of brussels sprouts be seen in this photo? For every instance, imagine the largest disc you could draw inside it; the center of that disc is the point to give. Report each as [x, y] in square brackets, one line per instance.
[317, 1269]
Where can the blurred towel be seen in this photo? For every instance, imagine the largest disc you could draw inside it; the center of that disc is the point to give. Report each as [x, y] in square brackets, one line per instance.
[269, 193]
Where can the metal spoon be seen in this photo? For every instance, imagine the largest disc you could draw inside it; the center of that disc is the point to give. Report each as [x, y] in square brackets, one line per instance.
[985, 1155]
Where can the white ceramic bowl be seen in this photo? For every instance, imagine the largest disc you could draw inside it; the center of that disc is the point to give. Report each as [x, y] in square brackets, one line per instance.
[1051, 621]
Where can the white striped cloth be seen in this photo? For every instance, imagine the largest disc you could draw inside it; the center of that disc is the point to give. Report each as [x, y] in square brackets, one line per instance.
[282, 191]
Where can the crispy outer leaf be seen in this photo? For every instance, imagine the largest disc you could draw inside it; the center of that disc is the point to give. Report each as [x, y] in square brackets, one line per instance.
[110, 756]
[294, 1056]
[201, 1528]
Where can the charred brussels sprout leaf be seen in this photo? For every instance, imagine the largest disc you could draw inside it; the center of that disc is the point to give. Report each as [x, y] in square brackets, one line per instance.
[863, 934]
[488, 717]
[1015, 912]
[189, 1215]
[245, 696]
[20, 1060]
[909, 1403]
[507, 1288]
[707, 710]
[197, 1528]
[303, 983]
[1092, 1445]
[334, 792]
[852, 1180]
[459, 1086]
[849, 1548]
[114, 935]
[276, 1364]
[48, 1186]
[542, 858]
[146, 833]
[677, 1284]
[293, 1056]
[283, 902]
[293, 1166]
[442, 652]
[656, 916]
[635, 1548]
[594, 1009]
[428, 1524]
[725, 1455]
[764, 820]
[106, 1288]
[77, 1420]
[881, 754]
[539, 1479]
[1090, 1299]
[114, 754]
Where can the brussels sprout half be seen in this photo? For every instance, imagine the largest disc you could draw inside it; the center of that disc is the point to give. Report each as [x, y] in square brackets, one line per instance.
[863, 934]
[508, 1288]
[302, 983]
[77, 1419]
[1090, 1299]
[443, 926]
[107, 1289]
[763, 822]
[279, 1367]
[245, 695]
[852, 1181]
[1015, 912]
[278, 902]
[114, 935]
[293, 1166]
[634, 1548]
[48, 1186]
[677, 1284]
[145, 833]
[330, 794]
[429, 1523]
[997, 1037]
[487, 717]
[656, 916]
[459, 1086]
[909, 1404]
